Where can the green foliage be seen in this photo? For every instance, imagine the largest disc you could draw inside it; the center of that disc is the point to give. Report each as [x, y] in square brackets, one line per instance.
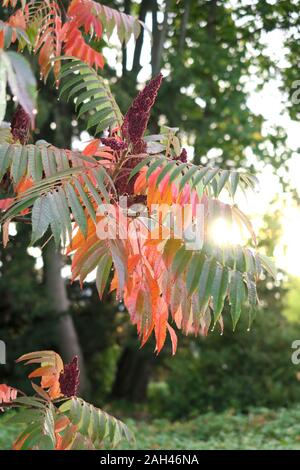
[248, 369]
[91, 95]
[56, 418]
[291, 308]
[103, 368]
[262, 429]
[54, 196]
[199, 177]
[94, 423]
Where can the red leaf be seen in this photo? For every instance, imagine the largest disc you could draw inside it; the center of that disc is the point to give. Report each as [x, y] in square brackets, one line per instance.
[173, 337]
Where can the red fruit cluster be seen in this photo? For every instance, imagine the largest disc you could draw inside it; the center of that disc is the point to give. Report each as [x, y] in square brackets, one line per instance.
[123, 185]
[20, 125]
[69, 378]
[114, 144]
[137, 117]
[182, 157]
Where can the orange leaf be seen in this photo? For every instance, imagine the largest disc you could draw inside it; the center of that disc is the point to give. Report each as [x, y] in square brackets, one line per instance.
[173, 337]
[91, 148]
[51, 367]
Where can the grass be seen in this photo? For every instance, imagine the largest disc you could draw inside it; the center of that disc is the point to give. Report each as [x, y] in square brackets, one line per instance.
[260, 429]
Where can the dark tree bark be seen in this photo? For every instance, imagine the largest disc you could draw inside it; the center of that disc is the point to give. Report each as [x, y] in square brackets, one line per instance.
[136, 66]
[184, 23]
[67, 335]
[127, 7]
[155, 34]
[157, 57]
[211, 33]
[134, 372]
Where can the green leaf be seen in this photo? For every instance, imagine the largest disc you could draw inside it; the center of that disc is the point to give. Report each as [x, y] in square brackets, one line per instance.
[268, 265]
[205, 283]
[95, 424]
[63, 210]
[40, 218]
[193, 273]
[234, 181]
[99, 117]
[5, 158]
[139, 166]
[90, 105]
[35, 165]
[49, 161]
[76, 208]
[252, 297]
[100, 174]
[85, 419]
[76, 411]
[61, 158]
[48, 425]
[89, 261]
[66, 406]
[179, 169]
[200, 175]
[152, 168]
[54, 217]
[210, 174]
[166, 169]
[187, 177]
[85, 199]
[93, 191]
[180, 261]
[106, 123]
[16, 160]
[219, 290]
[103, 272]
[88, 85]
[2, 89]
[236, 296]
[224, 176]
[100, 429]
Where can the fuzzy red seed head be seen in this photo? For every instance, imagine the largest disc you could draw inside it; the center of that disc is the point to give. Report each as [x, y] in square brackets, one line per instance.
[20, 125]
[137, 117]
[69, 378]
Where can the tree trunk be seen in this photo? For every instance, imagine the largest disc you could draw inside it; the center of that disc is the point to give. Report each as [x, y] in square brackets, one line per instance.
[134, 372]
[136, 67]
[157, 58]
[67, 336]
[184, 24]
[127, 7]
